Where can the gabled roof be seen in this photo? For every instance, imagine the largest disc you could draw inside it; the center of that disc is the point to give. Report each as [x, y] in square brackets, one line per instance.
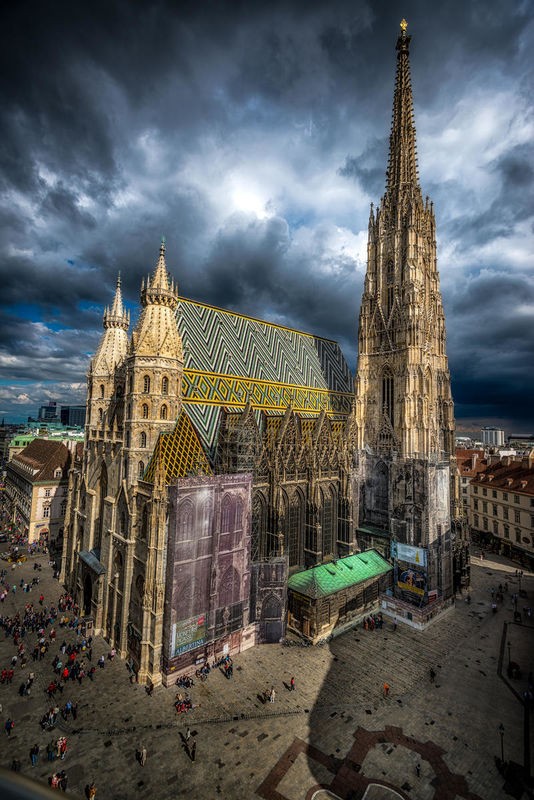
[178, 453]
[508, 475]
[330, 578]
[230, 359]
[40, 460]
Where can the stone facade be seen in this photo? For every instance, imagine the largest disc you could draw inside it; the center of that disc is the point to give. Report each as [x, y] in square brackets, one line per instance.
[210, 396]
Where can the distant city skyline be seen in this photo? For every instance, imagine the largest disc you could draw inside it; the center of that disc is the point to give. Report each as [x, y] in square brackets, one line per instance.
[255, 143]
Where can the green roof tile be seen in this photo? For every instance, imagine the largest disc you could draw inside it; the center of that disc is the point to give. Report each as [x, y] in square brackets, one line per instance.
[330, 578]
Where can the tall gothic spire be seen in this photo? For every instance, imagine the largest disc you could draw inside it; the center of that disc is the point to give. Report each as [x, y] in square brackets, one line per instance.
[160, 288]
[117, 316]
[402, 165]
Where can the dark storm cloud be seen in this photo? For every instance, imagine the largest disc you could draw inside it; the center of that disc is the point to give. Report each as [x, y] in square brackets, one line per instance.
[254, 137]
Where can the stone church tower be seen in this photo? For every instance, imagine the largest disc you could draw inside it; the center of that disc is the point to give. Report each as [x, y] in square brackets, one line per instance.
[154, 367]
[403, 397]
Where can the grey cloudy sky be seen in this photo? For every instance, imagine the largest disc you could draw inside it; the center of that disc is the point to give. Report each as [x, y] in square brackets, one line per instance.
[254, 136]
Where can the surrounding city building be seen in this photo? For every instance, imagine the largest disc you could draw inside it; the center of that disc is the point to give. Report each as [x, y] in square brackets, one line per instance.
[492, 437]
[501, 514]
[48, 413]
[73, 416]
[36, 487]
[469, 463]
[225, 456]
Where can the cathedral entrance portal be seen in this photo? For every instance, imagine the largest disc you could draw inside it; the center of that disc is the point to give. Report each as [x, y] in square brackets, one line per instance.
[271, 620]
[87, 594]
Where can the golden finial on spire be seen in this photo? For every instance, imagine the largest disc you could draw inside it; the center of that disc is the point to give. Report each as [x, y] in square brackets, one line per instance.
[403, 25]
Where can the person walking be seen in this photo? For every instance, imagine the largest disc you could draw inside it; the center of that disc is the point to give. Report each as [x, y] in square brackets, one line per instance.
[432, 675]
[142, 756]
[292, 684]
[91, 791]
[34, 755]
[272, 695]
[386, 689]
[418, 770]
[8, 727]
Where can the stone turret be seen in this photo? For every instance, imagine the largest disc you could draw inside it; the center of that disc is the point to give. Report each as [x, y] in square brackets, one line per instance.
[154, 368]
[103, 380]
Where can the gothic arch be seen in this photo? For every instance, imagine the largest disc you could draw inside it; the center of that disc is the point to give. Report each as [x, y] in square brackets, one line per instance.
[328, 520]
[185, 518]
[229, 587]
[227, 514]
[259, 525]
[295, 528]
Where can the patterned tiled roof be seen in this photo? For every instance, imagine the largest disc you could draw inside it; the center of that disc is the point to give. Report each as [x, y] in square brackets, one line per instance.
[178, 453]
[327, 579]
[230, 358]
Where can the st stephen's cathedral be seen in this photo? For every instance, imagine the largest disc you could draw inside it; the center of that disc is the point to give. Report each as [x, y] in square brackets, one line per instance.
[236, 478]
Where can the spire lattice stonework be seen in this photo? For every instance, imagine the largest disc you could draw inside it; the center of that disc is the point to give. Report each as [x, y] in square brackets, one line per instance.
[402, 365]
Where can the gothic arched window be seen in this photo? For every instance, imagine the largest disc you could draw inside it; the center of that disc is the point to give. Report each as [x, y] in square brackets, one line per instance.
[185, 520]
[100, 415]
[142, 439]
[164, 385]
[387, 394]
[295, 528]
[227, 514]
[145, 411]
[328, 522]
[146, 384]
[163, 412]
[141, 468]
[102, 390]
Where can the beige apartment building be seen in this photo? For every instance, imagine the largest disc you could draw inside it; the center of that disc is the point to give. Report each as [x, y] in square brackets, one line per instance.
[36, 487]
[501, 512]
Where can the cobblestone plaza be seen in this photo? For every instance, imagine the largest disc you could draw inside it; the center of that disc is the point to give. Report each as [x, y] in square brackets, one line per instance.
[337, 730]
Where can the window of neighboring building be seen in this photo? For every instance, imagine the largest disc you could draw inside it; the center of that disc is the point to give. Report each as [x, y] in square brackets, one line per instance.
[493, 493]
[518, 535]
[505, 513]
[63, 508]
[532, 523]
[485, 524]
[464, 490]
[163, 412]
[485, 507]
[475, 489]
[146, 384]
[495, 527]
[47, 492]
[484, 491]
[475, 505]
[476, 520]
[145, 411]
[517, 516]
[506, 531]
[164, 385]
[46, 512]
[505, 495]
[494, 510]
[532, 501]
[516, 498]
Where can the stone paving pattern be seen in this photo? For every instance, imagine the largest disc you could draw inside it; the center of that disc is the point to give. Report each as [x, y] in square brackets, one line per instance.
[336, 730]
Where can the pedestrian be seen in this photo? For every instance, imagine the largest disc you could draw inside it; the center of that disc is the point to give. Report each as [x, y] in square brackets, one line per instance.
[8, 727]
[91, 791]
[432, 675]
[194, 751]
[292, 684]
[418, 770]
[272, 695]
[34, 755]
[142, 756]
[386, 689]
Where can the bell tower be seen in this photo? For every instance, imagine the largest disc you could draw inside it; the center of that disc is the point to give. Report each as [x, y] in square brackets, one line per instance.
[404, 406]
[154, 367]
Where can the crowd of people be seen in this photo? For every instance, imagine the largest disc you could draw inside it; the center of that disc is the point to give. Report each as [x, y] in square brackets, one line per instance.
[33, 632]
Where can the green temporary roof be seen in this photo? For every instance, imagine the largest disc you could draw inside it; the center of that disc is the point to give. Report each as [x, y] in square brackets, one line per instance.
[330, 578]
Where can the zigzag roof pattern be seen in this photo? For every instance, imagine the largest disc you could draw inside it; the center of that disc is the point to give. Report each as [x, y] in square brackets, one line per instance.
[230, 359]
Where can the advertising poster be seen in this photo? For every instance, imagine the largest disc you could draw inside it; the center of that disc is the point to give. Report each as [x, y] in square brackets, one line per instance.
[406, 552]
[412, 580]
[188, 634]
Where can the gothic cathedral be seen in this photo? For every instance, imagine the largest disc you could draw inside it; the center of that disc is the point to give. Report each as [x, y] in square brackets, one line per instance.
[224, 454]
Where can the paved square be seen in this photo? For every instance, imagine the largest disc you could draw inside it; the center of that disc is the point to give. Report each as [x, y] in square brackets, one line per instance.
[336, 731]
